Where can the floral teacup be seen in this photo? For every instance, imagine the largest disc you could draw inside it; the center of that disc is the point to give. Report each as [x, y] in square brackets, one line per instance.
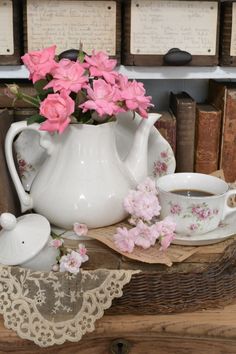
[196, 202]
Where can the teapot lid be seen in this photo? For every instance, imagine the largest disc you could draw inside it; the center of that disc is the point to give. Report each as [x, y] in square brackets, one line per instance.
[22, 238]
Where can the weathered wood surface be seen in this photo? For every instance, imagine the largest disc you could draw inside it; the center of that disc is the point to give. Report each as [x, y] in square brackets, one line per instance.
[212, 332]
[103, 257]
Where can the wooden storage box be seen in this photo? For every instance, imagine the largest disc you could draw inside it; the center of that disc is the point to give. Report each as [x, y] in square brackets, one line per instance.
[66, 23]
[10, 32]
[153, 27]
[228, 34]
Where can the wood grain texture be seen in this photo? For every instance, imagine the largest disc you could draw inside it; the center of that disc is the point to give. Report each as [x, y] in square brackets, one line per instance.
[202, 332]
[102, 256]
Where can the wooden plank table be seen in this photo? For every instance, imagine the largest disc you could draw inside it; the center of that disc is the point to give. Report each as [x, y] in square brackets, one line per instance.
[209, 331]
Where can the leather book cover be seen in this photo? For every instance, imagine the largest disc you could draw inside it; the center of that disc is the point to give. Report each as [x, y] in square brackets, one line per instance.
[8, 199]
[166, 125]
[207, 138]
[223, 96]
[23, 113]
[183, 107]
[7, 100]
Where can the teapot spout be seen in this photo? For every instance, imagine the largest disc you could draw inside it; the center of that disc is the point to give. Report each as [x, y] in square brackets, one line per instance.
[137, 160]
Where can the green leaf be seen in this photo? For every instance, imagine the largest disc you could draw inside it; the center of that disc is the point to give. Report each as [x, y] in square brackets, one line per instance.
[81, 56]
[39, 86]
[36, 118]
[81, 53]
[54, 235]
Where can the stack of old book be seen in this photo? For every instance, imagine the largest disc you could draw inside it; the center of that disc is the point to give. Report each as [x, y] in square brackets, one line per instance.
[206, 132]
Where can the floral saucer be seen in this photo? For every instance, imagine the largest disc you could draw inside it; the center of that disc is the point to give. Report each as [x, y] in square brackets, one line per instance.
[161, 160]
[226, 229]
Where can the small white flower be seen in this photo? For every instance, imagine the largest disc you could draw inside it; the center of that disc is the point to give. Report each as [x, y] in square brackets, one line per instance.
[71, 262]
[55, 267]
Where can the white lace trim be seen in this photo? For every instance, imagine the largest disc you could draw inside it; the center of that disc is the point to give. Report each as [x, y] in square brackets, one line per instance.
[50, 308]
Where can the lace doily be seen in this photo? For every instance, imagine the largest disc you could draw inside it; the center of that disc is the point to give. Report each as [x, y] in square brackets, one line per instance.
[50, 308]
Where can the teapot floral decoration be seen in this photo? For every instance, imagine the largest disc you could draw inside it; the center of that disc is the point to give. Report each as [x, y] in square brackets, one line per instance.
[83, 179]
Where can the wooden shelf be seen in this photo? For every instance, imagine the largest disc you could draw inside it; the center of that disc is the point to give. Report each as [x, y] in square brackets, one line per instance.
[145, 73]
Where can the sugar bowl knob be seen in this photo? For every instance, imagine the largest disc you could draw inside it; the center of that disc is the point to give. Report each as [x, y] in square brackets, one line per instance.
[7, 221]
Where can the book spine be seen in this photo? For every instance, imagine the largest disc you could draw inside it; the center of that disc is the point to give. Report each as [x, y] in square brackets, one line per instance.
[228, 146]
[185, 113]
[167, 128]
[23, 113]
[8, 199]
[208, 128]
[6, 101]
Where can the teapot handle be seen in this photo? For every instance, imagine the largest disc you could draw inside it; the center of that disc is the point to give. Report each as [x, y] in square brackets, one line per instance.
[46, 142]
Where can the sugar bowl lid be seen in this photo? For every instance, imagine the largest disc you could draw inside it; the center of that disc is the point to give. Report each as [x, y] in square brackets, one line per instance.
[22, 238]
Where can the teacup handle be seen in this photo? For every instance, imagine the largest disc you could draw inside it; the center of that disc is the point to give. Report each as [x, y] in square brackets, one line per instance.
[228, 210]
[45, 141]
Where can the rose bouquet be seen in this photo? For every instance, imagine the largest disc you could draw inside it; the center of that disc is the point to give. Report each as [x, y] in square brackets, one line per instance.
[85, 89]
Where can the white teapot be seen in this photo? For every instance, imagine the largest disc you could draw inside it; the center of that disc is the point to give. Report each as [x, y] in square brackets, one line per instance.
[83, 178]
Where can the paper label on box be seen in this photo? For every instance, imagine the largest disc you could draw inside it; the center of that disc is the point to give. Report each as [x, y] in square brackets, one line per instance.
[157, 26]
[6, 28]
[67, 23]
[233, 30]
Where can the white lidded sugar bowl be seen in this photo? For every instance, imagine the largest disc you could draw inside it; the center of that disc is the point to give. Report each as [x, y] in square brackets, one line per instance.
[25, 241]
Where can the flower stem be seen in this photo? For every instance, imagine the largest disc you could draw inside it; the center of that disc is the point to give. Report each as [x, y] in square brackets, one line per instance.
[33, 101]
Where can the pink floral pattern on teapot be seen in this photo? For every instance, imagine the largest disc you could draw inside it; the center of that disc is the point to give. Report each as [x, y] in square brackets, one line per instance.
[160, 166]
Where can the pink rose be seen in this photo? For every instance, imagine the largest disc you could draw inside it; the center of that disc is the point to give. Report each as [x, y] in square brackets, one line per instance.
[68, 76]
[56, 243]
[57, 108]
[40, 63]
[133, 94]
[82, 250]
[102, 98]
[101, 66]
[80, 229]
